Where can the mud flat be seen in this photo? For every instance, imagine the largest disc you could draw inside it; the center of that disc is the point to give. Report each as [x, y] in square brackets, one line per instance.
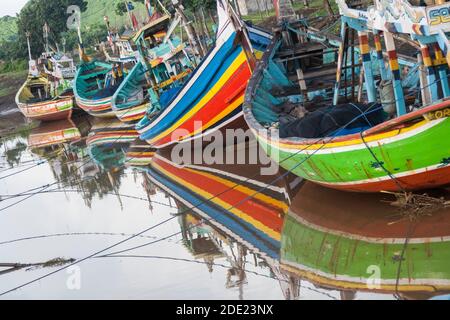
[10, 117]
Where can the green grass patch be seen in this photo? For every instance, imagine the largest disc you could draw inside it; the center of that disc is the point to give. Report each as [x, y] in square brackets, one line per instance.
[11, 82]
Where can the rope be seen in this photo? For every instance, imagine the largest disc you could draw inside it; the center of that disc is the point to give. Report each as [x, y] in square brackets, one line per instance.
[400, 187]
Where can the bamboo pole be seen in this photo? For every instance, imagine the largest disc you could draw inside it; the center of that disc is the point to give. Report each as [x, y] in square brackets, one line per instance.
[393, 63]
[191, 33]
[367, 64]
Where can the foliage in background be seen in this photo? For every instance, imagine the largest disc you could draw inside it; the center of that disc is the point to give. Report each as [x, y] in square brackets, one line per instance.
[8, 28]
[38, 12]
[13, 65]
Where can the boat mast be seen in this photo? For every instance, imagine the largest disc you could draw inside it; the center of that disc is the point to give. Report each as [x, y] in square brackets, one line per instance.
[191, 33]
[241, 30]
[29, 47]
[46, 31]
[83, 56]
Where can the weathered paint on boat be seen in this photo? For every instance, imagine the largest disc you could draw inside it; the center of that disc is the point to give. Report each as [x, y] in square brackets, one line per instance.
[212, 97]
[409, 148]
[111, 132]
[53, 133]
[58, 108]
[339, 241]
[98, 107]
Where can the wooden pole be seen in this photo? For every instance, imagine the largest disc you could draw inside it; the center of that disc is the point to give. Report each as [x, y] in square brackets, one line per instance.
[441, 65]
[29, 47]
[397, 82]
[380, 58]
[191, 33]
[424, 92]
[431, 75]
[367, 64]
[360, 84]
[342, 49]
[353, 66]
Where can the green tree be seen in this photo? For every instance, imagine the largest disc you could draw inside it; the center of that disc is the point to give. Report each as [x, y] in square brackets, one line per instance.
[38, 12]
[121, 8]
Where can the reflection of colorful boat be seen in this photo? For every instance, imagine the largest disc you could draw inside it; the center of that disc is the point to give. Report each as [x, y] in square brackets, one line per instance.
[108, 141]
[340, 241]
[53, 133]
[228, 200]
[139, 154]
[211, 98]
[401, 148]
[111, 131]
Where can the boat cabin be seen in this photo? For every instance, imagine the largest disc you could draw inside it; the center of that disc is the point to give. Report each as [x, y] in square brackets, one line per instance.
[163, 54]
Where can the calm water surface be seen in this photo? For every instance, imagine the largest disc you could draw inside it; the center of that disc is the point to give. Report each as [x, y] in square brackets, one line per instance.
[70, 189]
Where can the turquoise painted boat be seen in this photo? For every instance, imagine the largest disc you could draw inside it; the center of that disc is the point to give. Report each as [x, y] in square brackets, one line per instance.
[402, 149]
[94, 86]
[129, 103]
[363, 244]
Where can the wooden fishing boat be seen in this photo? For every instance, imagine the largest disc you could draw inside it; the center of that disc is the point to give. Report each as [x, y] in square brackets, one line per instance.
[212, 97]
[121, 46]
[38, 101]
[58, 65]
[94, 86]
[403, 149]
[42, 99]
[342, 242]
[168, 66]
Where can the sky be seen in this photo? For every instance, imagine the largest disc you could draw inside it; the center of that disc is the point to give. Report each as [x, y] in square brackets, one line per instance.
[11, 7]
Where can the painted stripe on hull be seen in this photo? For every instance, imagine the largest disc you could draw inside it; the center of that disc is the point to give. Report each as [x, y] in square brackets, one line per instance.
[54, 110]
[213, 111]
[227, 85]
[419, 160]
[103, 110]
[356, 283]
[428, 178]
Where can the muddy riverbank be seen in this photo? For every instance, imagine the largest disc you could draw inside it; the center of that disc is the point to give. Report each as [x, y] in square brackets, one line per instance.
[10, 117]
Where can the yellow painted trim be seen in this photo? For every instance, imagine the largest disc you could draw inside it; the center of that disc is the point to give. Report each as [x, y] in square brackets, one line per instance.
[361, 286]
[331, 145]
[257, 224]
[240, 59]
[221, 115]
[274, 202]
